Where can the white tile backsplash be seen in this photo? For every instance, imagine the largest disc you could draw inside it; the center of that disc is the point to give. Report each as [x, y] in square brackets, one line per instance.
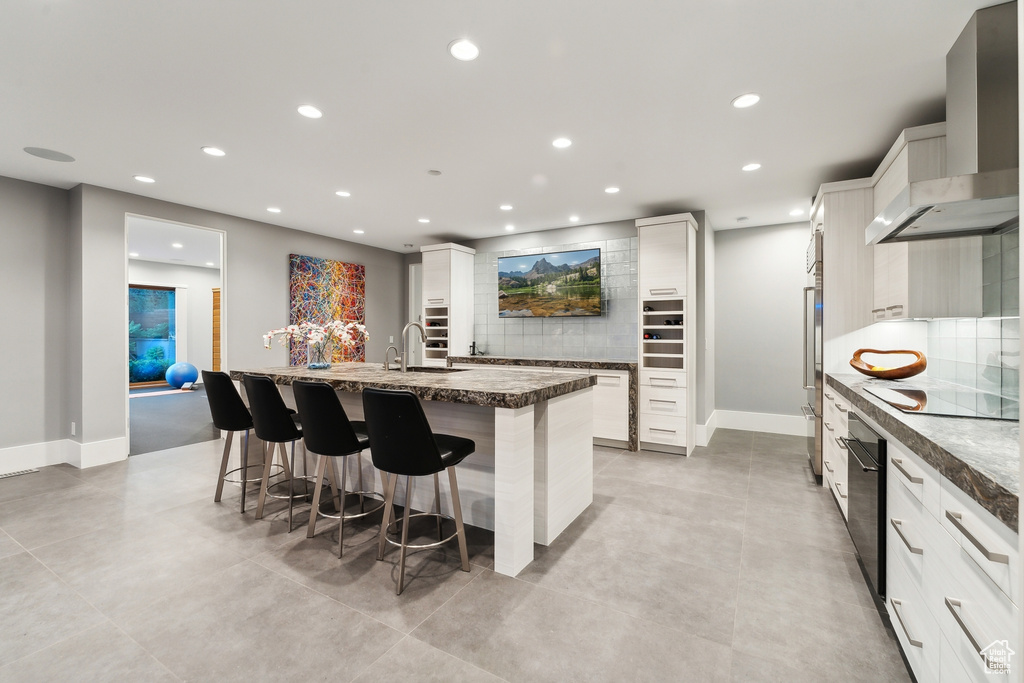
[982, 353]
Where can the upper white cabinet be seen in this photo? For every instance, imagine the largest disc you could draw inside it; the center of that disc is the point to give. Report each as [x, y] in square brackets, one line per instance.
[667, 278]
[447, 301]
[663, 262]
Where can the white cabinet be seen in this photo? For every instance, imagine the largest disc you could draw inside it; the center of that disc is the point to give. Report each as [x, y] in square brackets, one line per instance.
[447, 301]
[950, 569]
[667, 283]
[928, 279]
[611, 404]
[834, 457]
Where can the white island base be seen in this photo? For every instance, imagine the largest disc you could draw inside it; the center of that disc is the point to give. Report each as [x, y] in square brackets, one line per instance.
[531, 475]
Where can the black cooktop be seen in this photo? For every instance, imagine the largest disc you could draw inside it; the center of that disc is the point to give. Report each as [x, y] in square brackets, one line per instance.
[949, 402]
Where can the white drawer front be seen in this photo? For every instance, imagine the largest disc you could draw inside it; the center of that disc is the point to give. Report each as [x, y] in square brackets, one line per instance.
[915, 626]
[611, 404]
[663, 401]
[908, 533]
[983, 538]
[663, 429]
[662, 378]
[919, 478]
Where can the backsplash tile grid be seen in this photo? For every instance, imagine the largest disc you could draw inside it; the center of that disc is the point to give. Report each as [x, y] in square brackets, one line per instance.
[982, 353]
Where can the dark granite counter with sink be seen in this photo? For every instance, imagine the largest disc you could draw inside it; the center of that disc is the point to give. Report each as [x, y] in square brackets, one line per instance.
[980, 456]
[574, 364]
[475, 387]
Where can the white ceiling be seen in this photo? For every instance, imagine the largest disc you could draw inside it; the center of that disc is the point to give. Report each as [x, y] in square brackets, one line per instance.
[154, 240]
[643, 89]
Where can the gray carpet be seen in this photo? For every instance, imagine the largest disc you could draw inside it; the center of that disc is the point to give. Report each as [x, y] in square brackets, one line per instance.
[168, 421]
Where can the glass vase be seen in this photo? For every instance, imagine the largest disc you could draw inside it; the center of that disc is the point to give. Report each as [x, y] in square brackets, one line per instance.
[319, 354]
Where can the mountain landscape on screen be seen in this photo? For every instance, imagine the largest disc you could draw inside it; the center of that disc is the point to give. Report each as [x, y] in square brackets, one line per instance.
[564, 283]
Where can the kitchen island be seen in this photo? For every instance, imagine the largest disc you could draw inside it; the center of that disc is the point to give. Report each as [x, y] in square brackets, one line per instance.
[532, 472]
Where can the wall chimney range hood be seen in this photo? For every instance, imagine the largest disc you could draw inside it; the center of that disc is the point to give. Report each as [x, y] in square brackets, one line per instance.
[978, 194]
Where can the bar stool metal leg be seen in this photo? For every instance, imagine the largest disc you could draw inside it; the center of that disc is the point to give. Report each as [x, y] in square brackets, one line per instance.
[437, 504]
[291, 487]
[268, 462]
[321, 471]
[223, 467]
[245, 468]
[405, 535]
[457, 513]
[389, 501]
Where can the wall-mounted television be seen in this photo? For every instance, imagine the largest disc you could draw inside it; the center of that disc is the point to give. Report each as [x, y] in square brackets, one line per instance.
[560, 283]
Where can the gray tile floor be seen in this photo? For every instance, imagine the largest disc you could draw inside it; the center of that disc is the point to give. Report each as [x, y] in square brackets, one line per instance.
[727, 565]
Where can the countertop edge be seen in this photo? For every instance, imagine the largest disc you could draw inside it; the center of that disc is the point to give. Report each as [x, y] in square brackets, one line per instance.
[578, 363]
[978, 485]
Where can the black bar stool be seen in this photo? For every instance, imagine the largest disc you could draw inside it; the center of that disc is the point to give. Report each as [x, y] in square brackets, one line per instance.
[327, 432]
[275, 425]
[403, 445]
[229, 415]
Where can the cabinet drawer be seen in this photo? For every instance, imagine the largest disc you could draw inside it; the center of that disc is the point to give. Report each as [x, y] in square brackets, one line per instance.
[611, 404]
[916, 628]
[663, 401]
[918, 478]
[663, 429]
[983, 538]
[908, 532]
[662, 378]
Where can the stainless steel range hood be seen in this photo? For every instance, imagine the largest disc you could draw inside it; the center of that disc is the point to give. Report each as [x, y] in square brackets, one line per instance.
[979, 193]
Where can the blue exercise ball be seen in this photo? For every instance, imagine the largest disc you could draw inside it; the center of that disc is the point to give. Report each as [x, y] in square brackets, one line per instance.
[179, 373]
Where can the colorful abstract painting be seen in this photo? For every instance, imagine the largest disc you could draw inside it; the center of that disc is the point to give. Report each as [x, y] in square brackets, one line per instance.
[323, 290]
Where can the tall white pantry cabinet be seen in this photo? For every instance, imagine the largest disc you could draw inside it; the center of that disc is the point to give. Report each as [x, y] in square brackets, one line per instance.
[447, 301]
[667, 281]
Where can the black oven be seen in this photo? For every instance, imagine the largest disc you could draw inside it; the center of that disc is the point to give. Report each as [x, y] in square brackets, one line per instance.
[866, 464]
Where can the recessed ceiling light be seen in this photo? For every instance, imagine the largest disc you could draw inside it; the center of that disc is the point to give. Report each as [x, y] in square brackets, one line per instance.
[505, 207]
[510, 227]
[747, 100]
[358, 231]
[209, 263]
[796, 212]
[463, 50]
[433, 171]
[407, 245]
[424, 220]
[342, 193]
[144, 179]
[133, 254]
[48, 154]
[574, 218]
[611, 190]
[273, 209]
[310, 112]
[561, 143]
[742, 219]
[214, 151]
[177, 245]
[752, 167]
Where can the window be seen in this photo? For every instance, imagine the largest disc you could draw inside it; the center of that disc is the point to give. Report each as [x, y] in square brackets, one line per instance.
[151, 333]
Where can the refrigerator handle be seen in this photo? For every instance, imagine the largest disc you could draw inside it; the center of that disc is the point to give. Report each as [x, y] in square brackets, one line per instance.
[806, 289]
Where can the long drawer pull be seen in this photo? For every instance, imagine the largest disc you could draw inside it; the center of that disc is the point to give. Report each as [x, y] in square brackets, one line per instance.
[840, 408]
[829, 396]
[668, 381]
[840, 490]
[897, 524]
[841, 442]
[898, 307]
[435, 301]
[828, 427]
[898, 464]
[954, 609]
[663, 291]
[661, 400]
[827, 466]
[878, 310]
[957, 519]
[614, 377]
[896, 608]
[657, 429]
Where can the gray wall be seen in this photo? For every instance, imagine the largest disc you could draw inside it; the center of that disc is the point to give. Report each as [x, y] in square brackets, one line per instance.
[64, 264]
[199, 283]
[34, 309]
[759, 278]
[705, 333]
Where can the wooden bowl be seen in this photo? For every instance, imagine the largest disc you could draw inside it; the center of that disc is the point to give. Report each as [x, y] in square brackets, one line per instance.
[902, 372]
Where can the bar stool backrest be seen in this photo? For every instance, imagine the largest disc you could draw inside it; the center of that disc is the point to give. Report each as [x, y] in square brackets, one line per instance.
[226, 406]
[326, 428]
[270, 416]
[401, 441]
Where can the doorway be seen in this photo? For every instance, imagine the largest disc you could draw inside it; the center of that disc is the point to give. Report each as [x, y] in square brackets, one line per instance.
[174, 315]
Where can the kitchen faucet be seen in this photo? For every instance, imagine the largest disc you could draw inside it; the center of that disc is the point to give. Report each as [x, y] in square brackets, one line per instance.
[405, 342]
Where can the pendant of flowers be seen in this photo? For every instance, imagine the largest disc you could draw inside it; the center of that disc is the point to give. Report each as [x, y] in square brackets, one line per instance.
[320, 340]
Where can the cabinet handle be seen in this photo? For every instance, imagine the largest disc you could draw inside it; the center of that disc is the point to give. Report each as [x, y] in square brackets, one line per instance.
[957, 519]
[898, 307]
[670, 381]
[954, 609]
[896, 609]
[614, 377]
[842, 443]
[435, 301]
[828, 426]
[661, 400]
[657, 429]
[827, 467]
[840, 408]
[829, 396]
[664, 291]
[840, 490]
[878, 310]
[897, 524]
[898, 464]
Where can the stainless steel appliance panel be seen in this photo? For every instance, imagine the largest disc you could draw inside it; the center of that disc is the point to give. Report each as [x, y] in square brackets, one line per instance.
[813, 379]
[866, 512]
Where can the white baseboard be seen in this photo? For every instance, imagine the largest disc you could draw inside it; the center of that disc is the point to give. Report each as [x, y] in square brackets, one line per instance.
[707, 430]
[795, 425]
[83, 455]
[46, 453]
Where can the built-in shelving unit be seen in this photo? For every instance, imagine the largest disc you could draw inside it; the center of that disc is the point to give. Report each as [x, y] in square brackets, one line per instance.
[447, 301]
[435, 322]
[663, 333]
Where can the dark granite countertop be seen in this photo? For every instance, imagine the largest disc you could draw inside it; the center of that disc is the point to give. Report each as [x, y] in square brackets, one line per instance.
[981, 457]
[546, 362]
[510, 389]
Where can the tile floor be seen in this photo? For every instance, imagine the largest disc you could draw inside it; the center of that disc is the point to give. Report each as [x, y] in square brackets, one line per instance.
[728, 565]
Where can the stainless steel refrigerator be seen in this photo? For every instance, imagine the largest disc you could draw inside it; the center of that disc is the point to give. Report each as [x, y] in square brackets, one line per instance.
[812, 366]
